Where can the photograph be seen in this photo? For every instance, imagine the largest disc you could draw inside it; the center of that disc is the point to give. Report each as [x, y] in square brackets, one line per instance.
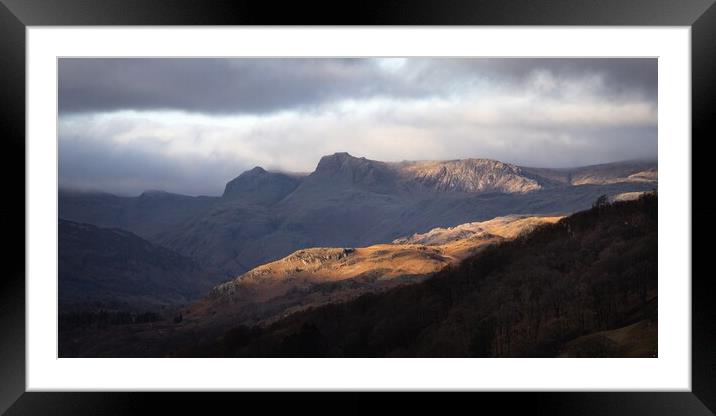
[358, 207]
[212, 199]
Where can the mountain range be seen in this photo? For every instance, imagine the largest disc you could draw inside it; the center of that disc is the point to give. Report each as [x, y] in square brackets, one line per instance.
[346, 201]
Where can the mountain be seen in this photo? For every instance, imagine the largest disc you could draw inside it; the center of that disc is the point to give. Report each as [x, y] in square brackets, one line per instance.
[117, 269]
[343, 171]
[348, 201]
[260, 187]
[470, 175]
[583, 286]
[316, 276]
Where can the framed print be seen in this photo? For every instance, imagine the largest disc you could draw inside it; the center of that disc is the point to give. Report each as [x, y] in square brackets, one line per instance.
[430, 197]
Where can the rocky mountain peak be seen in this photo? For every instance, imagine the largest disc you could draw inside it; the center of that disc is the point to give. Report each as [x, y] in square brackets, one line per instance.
[258, 170]
[260, 186]
[343, 169]
[340, 160]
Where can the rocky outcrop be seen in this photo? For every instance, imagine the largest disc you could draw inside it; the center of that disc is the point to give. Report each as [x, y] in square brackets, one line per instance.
[509, 226]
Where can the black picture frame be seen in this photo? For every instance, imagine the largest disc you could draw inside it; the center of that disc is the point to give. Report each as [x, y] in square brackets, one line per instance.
[16, 15]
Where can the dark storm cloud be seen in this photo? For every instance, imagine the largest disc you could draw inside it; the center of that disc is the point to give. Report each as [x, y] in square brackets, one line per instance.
[255, 86]
[218, 85]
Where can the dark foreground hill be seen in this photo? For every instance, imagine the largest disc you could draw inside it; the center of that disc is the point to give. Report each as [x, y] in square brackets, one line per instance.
[585, 286]
[115, 269]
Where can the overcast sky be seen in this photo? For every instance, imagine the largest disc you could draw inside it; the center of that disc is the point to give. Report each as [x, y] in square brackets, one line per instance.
[190, 125]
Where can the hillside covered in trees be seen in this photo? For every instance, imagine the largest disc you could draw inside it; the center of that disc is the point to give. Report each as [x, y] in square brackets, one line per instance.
[585, 286]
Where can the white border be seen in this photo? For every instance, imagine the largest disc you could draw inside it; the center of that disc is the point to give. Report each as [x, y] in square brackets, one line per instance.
[671, 371]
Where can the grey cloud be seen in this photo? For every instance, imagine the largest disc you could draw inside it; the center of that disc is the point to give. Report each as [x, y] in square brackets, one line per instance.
[259, 85]
[620, 74]
[217, 85]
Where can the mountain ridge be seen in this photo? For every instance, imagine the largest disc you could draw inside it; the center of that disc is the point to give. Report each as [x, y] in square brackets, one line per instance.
[527, 170]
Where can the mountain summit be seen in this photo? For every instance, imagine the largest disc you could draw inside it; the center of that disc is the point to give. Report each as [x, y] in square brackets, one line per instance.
[260, 186]
[346, 171]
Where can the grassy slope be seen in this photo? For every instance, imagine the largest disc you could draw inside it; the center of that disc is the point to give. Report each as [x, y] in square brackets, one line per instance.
[315, 276]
